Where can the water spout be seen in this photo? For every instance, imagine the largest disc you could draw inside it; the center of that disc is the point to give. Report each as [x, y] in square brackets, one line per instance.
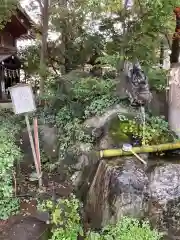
[143, 121]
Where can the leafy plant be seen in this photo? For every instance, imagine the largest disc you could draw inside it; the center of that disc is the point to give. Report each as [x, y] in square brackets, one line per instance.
[66, 222]
[157, 78]
[155, 131]
[130, 229]
[89, 97]
[65, 218]
[111, 60]
[9, 153]
[88, 89]
[6, 11]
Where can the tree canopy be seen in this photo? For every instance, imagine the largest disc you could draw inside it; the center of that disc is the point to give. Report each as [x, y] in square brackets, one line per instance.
[87, 29]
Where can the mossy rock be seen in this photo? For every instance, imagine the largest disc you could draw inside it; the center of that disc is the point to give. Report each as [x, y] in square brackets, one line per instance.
[116, 133]
[124, 131]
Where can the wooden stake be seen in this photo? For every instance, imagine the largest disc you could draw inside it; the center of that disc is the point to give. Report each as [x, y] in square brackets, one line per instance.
[33, 149]
[36, 139]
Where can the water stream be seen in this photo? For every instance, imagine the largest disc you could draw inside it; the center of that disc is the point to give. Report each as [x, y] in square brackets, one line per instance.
[143, 120]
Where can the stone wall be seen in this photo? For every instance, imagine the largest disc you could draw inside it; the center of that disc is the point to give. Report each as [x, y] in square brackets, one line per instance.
[174, 99]
[159, 104]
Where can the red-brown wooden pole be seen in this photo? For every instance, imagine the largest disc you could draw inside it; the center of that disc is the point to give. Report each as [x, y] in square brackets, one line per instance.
[36, 140]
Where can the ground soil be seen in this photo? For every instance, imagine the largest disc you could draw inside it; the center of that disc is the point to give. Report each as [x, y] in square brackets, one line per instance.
[27, 225]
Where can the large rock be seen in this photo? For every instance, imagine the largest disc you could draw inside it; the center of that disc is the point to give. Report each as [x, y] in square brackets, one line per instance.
[28, 228]
[159, 104]
[123, 186]
[97, 125]
[119, 188]
[164, 190]
[48, 141]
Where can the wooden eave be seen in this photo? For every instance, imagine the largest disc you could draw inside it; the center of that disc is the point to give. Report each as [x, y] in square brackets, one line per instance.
[21, 26]
[29, 22]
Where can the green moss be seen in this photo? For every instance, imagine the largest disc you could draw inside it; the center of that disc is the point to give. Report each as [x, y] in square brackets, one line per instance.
[116, 133]
[156, 131]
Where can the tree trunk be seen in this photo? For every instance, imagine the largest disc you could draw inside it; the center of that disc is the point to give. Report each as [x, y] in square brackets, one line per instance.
[175, 49]
[43, 57]
[174, 58]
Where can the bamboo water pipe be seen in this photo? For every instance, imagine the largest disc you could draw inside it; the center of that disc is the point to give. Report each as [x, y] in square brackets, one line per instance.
[107, 153]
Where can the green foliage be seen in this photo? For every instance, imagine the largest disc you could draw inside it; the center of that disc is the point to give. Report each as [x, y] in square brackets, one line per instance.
[146, 24]
[99, 105]
[128, 229]
[88, 97]
[90, 88]
[112, 60]
[157, 78]
[65, 218]
[156, 131]
[9, 153]
[66, 222]
[71, 132]
[30, 57]
[6, 11]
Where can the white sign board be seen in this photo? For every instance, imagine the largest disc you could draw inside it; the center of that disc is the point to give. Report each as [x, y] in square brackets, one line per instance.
[22, 98]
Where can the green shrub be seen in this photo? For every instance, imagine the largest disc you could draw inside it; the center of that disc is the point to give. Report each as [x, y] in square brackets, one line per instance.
[65, 218]
[157, 78]
[129, 229]
[66, 222]
[88, 89]
[89, 97]
[9, 153]
[156, 131]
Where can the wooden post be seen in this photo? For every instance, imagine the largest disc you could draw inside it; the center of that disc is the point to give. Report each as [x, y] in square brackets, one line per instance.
[33, 150]
[36, 139]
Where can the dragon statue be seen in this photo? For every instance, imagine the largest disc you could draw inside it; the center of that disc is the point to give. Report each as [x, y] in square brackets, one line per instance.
[137, 86]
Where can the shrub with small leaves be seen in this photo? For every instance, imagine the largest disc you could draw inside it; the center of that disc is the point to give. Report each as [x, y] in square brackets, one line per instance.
[65, 218]
[9, 153]
[155, 131]
[89, 97]
[157, 78]
[88, 89]
[130, 229]
[66, 222]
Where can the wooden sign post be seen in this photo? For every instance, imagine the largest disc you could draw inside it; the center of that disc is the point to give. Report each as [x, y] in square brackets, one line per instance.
[23, 103]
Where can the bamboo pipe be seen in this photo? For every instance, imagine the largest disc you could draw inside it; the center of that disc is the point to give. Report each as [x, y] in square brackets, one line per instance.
[144, 149]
